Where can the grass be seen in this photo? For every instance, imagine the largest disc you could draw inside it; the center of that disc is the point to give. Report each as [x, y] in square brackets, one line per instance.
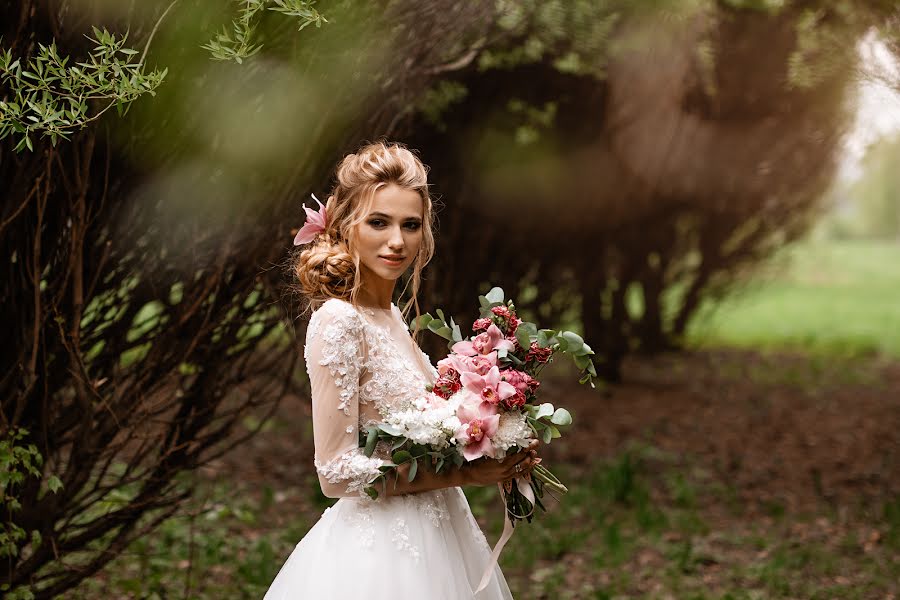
[637, 526]
[832, 297]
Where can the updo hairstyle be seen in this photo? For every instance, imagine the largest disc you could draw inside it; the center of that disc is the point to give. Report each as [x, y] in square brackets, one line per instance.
[328, 267]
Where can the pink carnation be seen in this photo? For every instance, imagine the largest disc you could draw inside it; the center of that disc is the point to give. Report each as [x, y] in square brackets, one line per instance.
[538, 354]
[515, 401]
[447, 384]
[506, 319]
[481, 324]
[522, 381]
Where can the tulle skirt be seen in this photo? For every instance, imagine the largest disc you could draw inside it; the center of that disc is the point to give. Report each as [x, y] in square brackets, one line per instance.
[420, 546]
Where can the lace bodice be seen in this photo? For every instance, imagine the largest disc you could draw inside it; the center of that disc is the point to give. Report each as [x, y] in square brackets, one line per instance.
[363, 365]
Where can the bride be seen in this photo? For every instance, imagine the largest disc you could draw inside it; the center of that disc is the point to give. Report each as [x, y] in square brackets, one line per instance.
[417, 540]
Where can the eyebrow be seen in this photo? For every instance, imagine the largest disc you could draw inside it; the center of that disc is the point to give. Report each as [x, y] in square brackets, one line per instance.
[389, 217]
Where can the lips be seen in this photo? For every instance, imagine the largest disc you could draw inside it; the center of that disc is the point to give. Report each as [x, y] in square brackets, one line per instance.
[393, 259]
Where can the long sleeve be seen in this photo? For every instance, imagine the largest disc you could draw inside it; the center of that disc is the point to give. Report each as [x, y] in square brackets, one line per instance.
[335, 352]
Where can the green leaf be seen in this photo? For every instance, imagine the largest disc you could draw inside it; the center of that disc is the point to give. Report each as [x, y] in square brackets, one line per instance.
[547, 435]
[390, 429]
[495, 296]
[544, 410]
[54, 484]
[561, 417]
[401, 456]
[397, 444]
[546, 338]
[371, 440]
[440, 314]
[456, 335]
[372, 492]
[413, 469]
[523, 338]
[574, 340]
[422, 322]
[554, 432]
[582, 362]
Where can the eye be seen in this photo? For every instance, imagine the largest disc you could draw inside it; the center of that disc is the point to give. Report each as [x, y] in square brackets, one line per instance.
[412, 225]
[377, 223]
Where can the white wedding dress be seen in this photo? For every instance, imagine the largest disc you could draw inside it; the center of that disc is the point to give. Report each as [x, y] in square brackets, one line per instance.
[363, 365]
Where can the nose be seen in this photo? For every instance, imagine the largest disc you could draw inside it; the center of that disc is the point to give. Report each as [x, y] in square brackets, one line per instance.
[395, 242]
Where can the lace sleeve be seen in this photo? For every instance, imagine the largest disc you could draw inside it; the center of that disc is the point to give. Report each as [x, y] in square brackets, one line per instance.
[335, 354]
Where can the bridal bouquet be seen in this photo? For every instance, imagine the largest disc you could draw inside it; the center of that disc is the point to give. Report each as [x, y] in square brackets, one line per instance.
[484, 402]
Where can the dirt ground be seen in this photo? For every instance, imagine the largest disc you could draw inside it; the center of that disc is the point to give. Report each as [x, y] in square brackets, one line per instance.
[777, 435]
[775, 427]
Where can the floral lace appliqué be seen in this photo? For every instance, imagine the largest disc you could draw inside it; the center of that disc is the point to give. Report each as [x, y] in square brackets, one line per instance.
[362, 520]
[400, 537]
[341, 350]
[354, 467]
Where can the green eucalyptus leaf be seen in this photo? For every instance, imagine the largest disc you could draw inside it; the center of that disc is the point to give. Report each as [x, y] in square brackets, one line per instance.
[544, 410]
[413, 469]
[574, 340]
[371, 440]
[554, 432]
[546, 338]
[456, 334]
[582, 362]
[547, 435]
[401, 456]
[523, 338]
[495, 296]
[561, 417]
[390, 429]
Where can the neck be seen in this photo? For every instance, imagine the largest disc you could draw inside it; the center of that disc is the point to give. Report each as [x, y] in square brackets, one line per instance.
[376, 292]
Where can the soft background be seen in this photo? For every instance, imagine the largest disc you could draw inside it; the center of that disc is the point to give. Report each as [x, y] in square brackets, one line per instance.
[708, 191]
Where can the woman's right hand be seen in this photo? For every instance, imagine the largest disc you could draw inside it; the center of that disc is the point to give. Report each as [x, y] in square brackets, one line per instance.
[488, 471]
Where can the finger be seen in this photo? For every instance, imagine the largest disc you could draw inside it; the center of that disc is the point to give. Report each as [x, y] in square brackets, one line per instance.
[519, 457]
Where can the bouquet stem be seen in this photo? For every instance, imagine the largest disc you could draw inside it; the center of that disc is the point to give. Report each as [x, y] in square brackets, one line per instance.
[549, 479]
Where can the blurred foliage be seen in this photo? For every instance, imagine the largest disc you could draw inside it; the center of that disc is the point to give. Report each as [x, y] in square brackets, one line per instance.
[600, 156]
[237, 44]
[50, 98]
[876, 194]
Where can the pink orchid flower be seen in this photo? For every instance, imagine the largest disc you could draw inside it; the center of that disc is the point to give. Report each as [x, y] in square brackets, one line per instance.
[316, 222]
[490, 388]
[484, 343]
[479, 364]
[479, 423]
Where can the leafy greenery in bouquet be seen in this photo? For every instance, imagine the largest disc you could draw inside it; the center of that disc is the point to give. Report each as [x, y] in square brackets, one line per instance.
[496, 371]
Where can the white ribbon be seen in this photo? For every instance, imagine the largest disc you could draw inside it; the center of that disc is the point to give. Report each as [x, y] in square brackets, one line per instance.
[525, 489]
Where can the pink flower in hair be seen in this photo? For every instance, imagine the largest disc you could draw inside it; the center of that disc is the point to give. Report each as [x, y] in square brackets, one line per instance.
[316, 222]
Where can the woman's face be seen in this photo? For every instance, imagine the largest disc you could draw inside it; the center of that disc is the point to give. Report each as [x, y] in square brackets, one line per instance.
[389, 237]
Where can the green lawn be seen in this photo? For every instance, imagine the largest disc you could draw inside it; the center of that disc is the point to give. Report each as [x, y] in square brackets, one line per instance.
[835, 297]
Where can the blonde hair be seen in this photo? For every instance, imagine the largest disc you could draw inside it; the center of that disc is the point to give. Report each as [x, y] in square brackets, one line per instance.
[329, 266]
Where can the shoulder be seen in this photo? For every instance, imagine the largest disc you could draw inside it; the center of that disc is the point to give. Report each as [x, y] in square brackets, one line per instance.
[334, 318]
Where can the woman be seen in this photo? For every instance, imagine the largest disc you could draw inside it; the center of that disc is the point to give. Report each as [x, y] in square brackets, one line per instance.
[418, 539]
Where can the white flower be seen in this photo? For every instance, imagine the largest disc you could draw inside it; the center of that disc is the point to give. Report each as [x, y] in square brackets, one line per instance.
[512, 430]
